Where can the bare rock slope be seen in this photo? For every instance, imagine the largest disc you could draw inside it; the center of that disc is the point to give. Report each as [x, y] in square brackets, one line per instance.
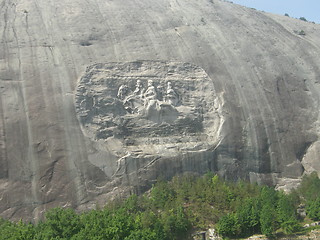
[101, 97]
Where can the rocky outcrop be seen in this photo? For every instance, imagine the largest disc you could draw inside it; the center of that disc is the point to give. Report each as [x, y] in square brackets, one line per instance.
[237, 93]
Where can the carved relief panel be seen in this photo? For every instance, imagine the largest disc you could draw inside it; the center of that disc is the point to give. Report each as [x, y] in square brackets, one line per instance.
[149, 105]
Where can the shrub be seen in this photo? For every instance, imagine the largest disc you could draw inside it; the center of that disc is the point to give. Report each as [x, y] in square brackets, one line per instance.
[310, 187]
[303, 19]
[268, 220]
[228, 225]
[313, 209]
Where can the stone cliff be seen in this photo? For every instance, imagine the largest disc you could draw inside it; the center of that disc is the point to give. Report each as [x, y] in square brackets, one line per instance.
[99, 98]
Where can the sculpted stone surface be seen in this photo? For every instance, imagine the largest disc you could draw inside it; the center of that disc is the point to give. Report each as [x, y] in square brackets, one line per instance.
[136, 105]
[99, 98]
[111, 103]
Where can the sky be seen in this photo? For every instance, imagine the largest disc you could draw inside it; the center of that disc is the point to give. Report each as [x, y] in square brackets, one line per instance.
[309, 9]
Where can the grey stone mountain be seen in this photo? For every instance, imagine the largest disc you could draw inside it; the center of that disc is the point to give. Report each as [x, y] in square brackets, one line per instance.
[99, 98]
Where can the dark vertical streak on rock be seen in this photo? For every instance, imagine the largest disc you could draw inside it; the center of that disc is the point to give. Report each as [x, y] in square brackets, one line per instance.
[3, 54]
[3, 153]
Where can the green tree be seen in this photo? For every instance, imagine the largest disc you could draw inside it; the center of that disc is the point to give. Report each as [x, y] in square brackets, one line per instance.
[268, 219]
[286, 209]
[228, 225]
[94, 224]
[313, 209]
[121, 225]
[162, 194]
[175, 222]
[248, 217]
[268, 196]
[286, 213]
[310, 187]
[60, 223]
[143, 234]
[16, 231]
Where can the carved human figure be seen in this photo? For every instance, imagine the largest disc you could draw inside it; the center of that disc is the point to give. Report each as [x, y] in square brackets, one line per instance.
[134, 102]
[139, 90]
[151, 103]
[123, 91]
[151, 93]
[171, 95]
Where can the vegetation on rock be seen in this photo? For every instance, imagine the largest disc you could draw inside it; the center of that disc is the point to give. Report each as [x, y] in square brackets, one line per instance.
[172, 210]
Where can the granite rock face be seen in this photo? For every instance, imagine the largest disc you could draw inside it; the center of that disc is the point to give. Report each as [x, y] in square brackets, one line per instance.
[99, 98]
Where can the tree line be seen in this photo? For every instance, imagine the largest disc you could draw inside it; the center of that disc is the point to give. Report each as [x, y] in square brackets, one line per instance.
[174, 209]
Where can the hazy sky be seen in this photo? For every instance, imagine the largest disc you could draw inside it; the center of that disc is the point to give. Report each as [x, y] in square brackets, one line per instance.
[310, 9]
